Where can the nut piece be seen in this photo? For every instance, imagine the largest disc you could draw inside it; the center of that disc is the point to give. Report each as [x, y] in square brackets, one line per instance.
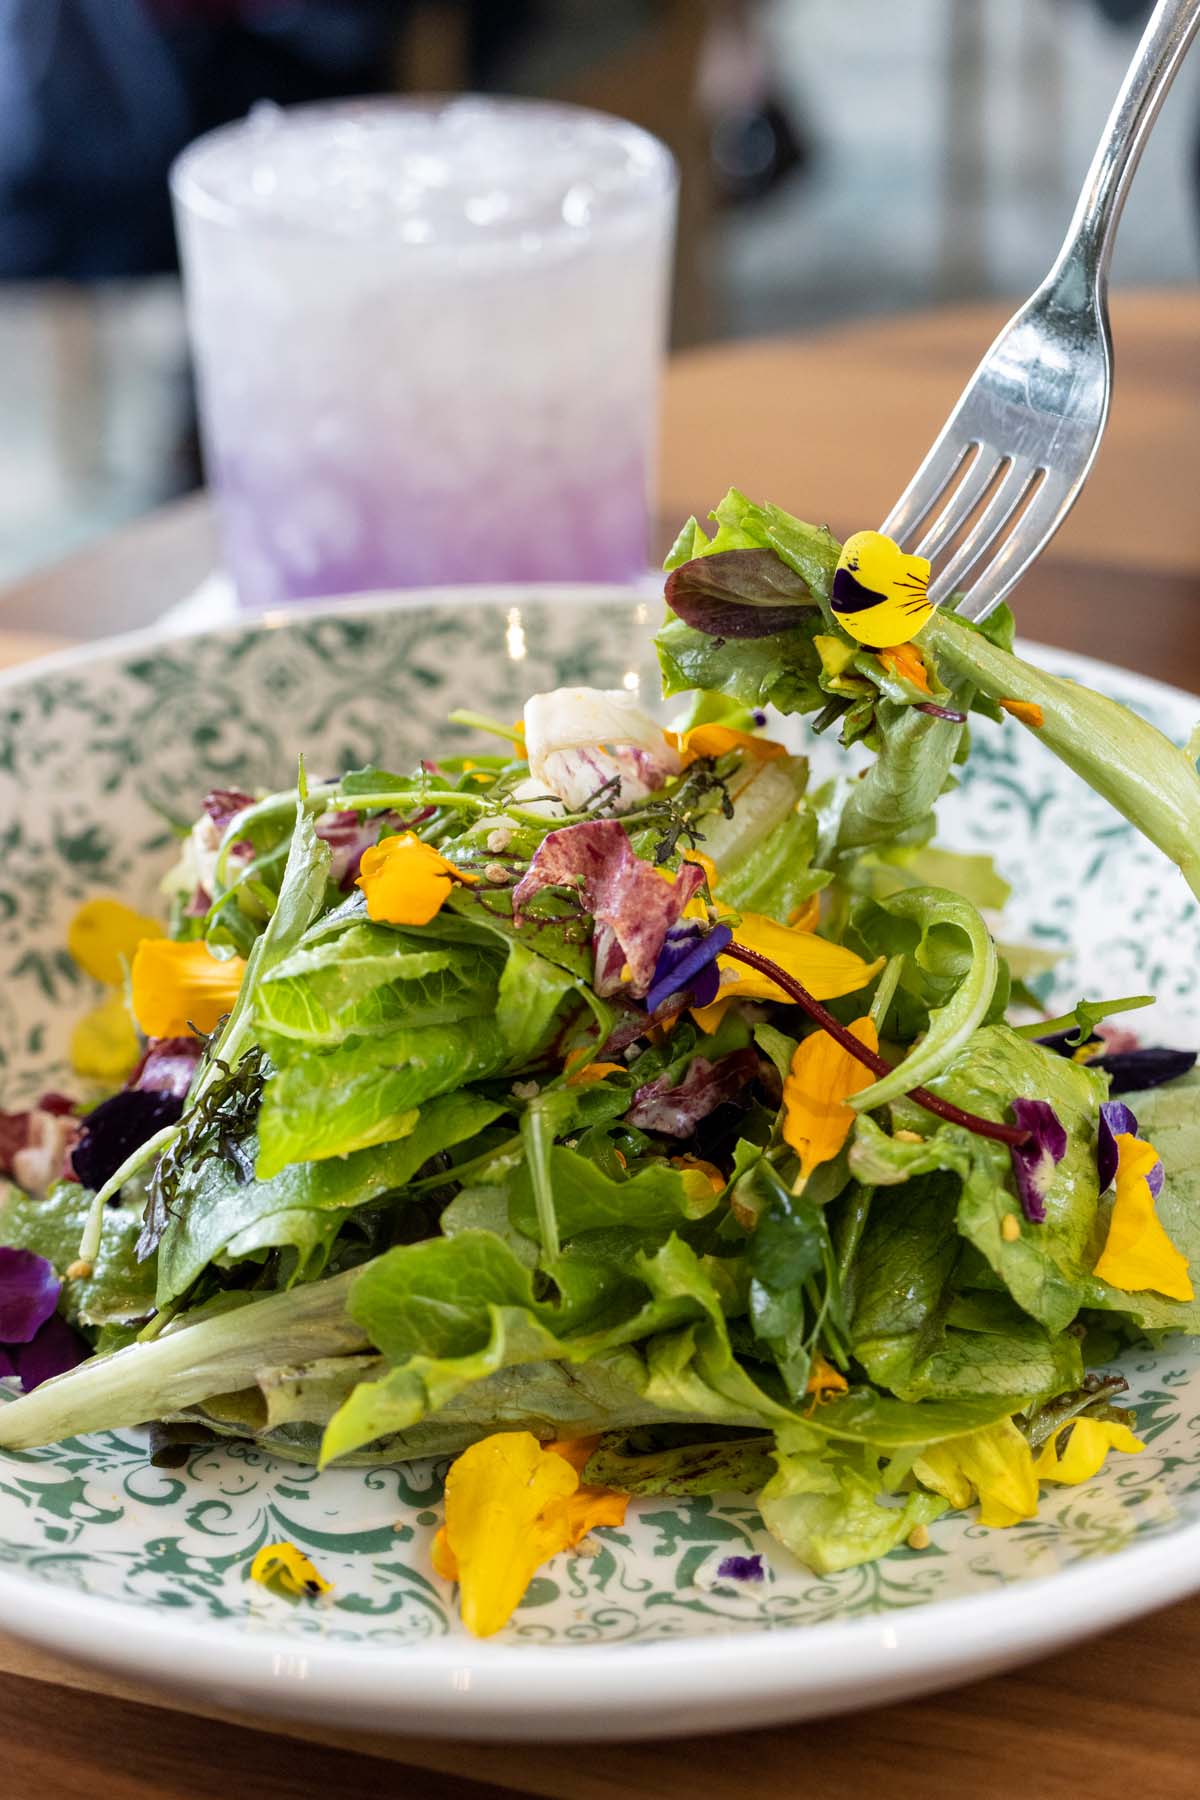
[1010, 1228]
[918, 1538]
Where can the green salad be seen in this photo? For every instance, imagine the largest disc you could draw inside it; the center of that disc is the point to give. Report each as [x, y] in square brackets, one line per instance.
[615, 1112]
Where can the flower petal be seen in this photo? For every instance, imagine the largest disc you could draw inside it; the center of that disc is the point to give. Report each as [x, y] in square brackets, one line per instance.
[822, 1076]
[1034, 1162]
[1083, 1453]
[283, 1566]
[116, 1128]
[719, 740]
[826, 970]
[1132, 1071]
[29, 1291]
[104, 1044]
[687, 963]
[740, 1568]
[178, 986]
[103, 936]
[995, 1464]
[1027, 711]
[406, 881]
[906, 661]
[1138, 1254]
[53, 1349]
[1115, 1117]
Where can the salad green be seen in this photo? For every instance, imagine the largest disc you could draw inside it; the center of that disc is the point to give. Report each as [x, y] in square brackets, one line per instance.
[623, 1089]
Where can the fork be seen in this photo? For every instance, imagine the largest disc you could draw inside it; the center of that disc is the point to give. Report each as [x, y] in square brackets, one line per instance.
[1008, 465]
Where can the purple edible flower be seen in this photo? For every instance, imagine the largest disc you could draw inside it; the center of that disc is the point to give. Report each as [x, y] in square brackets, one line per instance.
[677, 1110]
[35, 1343]
[1131, 1071]
[116, 1128]
[687, 964]
[741, 1568]
[1033, 1162]
[1115, 1120]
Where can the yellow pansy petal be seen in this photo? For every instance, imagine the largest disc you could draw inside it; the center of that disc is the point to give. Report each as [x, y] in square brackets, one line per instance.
[497, 1493]
[1087, 1446]
[1028, 711]
[717, 740]
[826, 970]
[708, 1018]
[177, 986]
[808, 916]
[104, 1045]
[906, 661]
[879, 593]
[283, 1566]
[824, 1380]
[442, 1557]
[1138, 1254]
[103, 936]
[698, 1166]
[406, 881]
[996, 1464]
[580, 1073]
[816, 1119]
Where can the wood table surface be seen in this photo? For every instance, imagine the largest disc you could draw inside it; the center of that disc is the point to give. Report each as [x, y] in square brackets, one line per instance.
[829, 426]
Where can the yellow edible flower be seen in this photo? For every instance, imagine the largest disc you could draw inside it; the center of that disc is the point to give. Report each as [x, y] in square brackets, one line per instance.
[1028, 711]
[104, 1045]
[510, 1506]
[580, 1073]
[996, 1464]
[816, 1119]
[103, 936]
[823, 1382]
[1083, 1456]
[178, 986]
[826, 970]
[283, 1566]
[1138, 1254]
[406, 881]
[717, 740]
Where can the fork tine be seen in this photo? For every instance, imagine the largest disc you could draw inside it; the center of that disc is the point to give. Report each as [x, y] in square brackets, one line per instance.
[969, 492]
[1014, 486]
[1014, 556]
[927, 485]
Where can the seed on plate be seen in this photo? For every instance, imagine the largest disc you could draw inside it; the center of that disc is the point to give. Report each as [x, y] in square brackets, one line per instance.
[918, 1537]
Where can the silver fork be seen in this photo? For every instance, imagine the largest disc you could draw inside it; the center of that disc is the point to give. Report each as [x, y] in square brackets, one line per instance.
[1010, 460]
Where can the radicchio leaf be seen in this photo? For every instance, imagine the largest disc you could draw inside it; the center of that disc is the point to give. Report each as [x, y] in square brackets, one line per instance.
[677, 1110]
[739, 594]
[633, 907]
[1033, 1162]
[167, 1067]
[224, 804]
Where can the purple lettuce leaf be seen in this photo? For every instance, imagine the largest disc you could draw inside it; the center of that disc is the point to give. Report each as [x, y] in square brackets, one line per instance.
[676, 1110]
[1033, 1162]
[29, 1291]
[739, 594]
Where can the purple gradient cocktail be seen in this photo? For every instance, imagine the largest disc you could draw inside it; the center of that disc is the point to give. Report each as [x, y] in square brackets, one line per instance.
[427, 338]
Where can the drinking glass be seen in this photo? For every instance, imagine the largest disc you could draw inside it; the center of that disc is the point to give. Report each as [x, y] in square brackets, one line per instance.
[427, 338]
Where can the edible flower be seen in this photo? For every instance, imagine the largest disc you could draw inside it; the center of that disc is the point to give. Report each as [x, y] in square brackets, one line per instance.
[826, 970]
[406, 881]
[741, 1568]
[994, 1465]
[35, 1342]
[719, 740]
[510, 1506]
[1028, 711]
[1034, 1161]
[632, 907]
[1137, 1253]
[286, 1569]
[824, 1381]
[687, 963]
[103, 937]
[879, 594]
[580, 1073]
[906, 662]
[1082, 1454]
[822, 1076]
[178, 988]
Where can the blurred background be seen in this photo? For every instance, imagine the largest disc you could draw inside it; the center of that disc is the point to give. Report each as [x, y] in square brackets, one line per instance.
[840, 158]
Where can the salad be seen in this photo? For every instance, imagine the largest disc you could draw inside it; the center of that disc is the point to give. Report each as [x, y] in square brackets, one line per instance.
[613, 1112]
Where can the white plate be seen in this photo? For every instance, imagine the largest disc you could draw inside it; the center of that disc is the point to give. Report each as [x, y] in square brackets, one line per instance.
[143, 1571]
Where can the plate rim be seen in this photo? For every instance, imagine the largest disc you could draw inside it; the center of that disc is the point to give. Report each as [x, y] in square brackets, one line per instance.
[721, 1680]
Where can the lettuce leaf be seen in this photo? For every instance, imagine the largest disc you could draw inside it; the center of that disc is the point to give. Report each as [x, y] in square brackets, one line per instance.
[120, 1288]
[825, 1506]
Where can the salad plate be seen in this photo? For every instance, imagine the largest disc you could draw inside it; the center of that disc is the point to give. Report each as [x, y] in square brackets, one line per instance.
[652, 1626]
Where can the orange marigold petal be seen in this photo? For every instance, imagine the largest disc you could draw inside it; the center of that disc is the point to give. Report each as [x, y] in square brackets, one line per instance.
[717, 740]
[178, 986]
[822, 1077]
[407, 881]
[1028, 711]
[906, 661]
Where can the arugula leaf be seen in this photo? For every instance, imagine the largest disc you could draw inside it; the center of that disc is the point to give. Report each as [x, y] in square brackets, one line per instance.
[323, 1104]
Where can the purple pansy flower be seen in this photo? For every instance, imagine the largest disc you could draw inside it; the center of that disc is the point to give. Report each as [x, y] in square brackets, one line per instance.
[687, 964]
[119, 1126]
[741, 1568]
[1115, 1120]
[1129, 1070]
[1033, 1162]
[35, 1343]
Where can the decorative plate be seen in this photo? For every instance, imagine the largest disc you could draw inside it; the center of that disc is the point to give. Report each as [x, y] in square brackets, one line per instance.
[144, 1570]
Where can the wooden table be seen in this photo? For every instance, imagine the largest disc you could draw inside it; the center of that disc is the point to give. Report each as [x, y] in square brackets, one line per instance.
[828, 426]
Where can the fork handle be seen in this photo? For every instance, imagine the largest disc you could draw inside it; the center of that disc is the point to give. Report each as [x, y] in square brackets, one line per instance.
[1087, 248]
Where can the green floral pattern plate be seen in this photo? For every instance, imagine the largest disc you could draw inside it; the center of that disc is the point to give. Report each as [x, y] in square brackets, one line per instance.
[146, 1569]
